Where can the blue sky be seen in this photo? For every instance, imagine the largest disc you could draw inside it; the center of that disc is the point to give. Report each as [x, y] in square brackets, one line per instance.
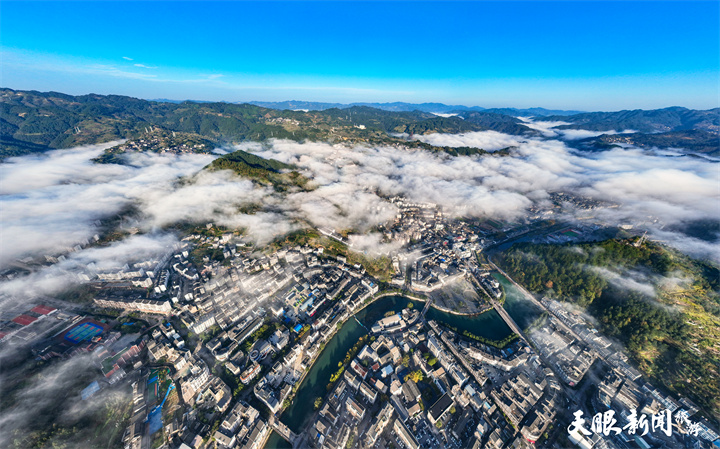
[570, 55]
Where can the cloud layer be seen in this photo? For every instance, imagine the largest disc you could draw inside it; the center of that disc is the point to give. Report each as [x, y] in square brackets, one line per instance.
[652, 189]
[486, 140]
[51, 202]
[548, 129]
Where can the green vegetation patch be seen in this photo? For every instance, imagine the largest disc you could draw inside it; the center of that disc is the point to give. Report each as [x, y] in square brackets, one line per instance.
[32, 122]
[673, 335]
[260, 170]
[378, 267]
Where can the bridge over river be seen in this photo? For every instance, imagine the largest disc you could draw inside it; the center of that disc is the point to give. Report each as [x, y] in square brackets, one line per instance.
[284, 431]
[498, 307]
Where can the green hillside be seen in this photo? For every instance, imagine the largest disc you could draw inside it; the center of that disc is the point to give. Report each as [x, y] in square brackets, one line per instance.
[656, 120]
[695, 140]
[673, 335]
[260, 170]
[33, 121]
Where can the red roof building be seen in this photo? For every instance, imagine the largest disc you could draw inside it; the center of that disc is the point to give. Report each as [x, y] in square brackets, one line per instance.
[43, 310]
[24, 320]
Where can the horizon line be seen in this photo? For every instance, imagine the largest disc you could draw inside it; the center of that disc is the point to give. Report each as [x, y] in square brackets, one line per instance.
[354, 103]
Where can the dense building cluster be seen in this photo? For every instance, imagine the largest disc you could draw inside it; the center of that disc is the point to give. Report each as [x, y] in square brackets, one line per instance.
[216, 338]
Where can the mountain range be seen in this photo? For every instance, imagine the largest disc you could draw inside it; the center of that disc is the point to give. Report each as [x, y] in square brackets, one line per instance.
[645, 121]
[397, 106]
[32, 121]
[438, 108]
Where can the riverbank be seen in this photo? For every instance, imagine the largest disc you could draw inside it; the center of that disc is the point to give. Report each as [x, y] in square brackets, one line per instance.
[314, 383]
[314, 380]
[521, 308]
[326, 345]
[275, 441]
[487, 324]
[460, 296]
[434, 305]
[352, 314]
[453, 312]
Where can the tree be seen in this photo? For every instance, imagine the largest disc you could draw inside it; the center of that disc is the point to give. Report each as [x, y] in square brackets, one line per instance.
[350, 441]
[415, 376]
[406, 360]
[318, 402]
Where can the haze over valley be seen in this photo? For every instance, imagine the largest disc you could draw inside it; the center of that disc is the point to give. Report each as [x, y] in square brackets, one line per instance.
[333, 225]
[74, 216]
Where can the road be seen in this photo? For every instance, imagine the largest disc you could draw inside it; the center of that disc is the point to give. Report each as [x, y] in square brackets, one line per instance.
[508, 319]
[532, 298]
[480, 378]
[558, 322]
[543, 229]
[576, 396]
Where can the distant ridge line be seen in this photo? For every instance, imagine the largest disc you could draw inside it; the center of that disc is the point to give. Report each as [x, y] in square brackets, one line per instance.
[409, 107]
[440, 108]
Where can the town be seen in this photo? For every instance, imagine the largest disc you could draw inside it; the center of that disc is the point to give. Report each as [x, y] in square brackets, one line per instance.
[218, 342]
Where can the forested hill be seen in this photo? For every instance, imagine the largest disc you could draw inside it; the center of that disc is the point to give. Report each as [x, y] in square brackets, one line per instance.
[33, 121]
[693, 141]
[652, 121]
[260, 170]
[662, 305]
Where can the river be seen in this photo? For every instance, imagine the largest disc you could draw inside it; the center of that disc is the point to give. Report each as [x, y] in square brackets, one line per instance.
[275, 441]
[489, 325]
[521, 309]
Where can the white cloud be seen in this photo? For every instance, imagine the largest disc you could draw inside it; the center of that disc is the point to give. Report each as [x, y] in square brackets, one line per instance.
[37, 403]
[650, 188]
[372, 244]
[487, 140]
[576, 134]
[548, 129]
[62, 275]
[545, 127]
[627, 280]
[50, 202]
